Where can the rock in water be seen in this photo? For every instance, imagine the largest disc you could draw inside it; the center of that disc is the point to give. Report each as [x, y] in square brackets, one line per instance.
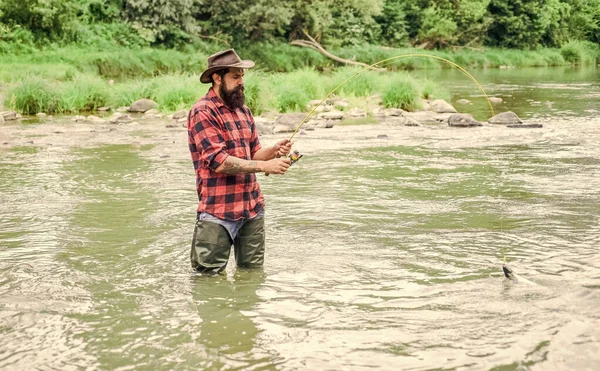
[526, 126]
[142, 105]
[505, 118]
[463, 120]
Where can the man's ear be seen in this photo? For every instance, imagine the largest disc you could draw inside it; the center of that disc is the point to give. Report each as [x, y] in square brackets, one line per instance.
[216, 78]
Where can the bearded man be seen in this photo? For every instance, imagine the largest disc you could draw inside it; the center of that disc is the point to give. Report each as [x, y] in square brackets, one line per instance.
[226, 154]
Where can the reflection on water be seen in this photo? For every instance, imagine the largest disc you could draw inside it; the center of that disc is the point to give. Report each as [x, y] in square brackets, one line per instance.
[380, 254]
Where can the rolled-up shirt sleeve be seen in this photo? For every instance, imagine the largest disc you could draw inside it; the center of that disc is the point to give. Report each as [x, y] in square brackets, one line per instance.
[209, 141]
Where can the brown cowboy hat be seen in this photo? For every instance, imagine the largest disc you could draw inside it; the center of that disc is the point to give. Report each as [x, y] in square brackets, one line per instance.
[225, 59]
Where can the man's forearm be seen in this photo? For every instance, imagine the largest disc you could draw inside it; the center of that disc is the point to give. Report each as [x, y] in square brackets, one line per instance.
[265, 154]
[233, 165]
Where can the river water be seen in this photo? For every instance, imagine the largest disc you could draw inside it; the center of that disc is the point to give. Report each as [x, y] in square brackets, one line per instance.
[382, 253]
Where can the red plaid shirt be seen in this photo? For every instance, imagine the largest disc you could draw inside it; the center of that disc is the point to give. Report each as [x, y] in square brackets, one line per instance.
[215, 132]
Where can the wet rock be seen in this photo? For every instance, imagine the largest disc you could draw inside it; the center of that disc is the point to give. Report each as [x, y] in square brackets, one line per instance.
[505, 118]
[382, 136]
[442, 118]
[142, 105]
[357, 112]
[496, 100]
[180, 114]
[41, 115]
[290, 120]
[394, 112]
[171, 125]
[95, 119]
[378, 112]
[325, 124]
[120, 117]
[463, 120]
[341, 104]
[525, 126]
[310, 125]
[332, 115]
[122, 109]
[422, 117]
[8, 115]
[103, 109]
[2, 119]
[279, 128]
[441, 106]
[425, 105]
[152, 111]
[262, 128]
[463, 101]
[78, 118]
[314, 102]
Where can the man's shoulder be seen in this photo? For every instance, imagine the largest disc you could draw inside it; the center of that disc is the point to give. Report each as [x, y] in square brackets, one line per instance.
[203, 105]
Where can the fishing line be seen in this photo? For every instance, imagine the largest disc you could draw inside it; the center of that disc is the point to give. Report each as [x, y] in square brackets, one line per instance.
[374, 65]
[383, 61]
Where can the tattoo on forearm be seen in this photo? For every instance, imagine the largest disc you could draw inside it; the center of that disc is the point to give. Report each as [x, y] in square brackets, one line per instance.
[233, 165]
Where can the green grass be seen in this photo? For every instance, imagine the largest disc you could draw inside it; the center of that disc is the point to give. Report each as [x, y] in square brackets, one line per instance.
[401, 92]
[83, 93]
[73, 79]
[581, 52]
[30, 95]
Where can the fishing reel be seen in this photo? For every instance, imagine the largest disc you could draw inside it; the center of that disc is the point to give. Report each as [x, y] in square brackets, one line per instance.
[294, 156]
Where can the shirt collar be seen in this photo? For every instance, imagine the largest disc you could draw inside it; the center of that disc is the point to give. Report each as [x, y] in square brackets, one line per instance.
[215, 98]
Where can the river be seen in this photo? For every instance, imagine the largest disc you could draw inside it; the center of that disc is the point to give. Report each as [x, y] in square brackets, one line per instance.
[381, 253]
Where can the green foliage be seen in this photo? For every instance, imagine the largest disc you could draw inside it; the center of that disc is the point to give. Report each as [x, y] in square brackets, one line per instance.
[393, 24]
[438, 30]
[83, 93]
[282, 57]
[580, 52]
[254, 24]
[175, 92]
[31, 95]
[401, 92]
[52, 19]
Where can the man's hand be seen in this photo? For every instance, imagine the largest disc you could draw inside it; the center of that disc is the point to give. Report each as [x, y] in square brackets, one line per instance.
[282, 148]
[277, 165]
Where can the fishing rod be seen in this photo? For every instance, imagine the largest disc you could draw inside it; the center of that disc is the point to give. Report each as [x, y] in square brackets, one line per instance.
[372, 66]
[295, 156]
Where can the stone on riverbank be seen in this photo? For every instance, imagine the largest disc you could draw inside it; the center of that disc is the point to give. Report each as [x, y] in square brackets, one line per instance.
[505, 118]
[357, 112]
[119, 117]
[525, 126]
[441, 106]
[8, 115]
[496, 100]
[332, 115]
[142, 105]
[463, 120]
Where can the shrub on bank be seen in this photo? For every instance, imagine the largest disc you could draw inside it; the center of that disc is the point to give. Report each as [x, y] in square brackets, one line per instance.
[31, 95]
[401, 92]
[581, 52]
[83, 93]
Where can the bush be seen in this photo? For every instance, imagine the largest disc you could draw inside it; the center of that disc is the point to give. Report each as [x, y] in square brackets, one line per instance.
[31, 95]
[401, 92]
[580, 52]
[84, 93]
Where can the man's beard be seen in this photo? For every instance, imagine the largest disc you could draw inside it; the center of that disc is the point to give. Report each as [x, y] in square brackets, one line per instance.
[233, 99]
